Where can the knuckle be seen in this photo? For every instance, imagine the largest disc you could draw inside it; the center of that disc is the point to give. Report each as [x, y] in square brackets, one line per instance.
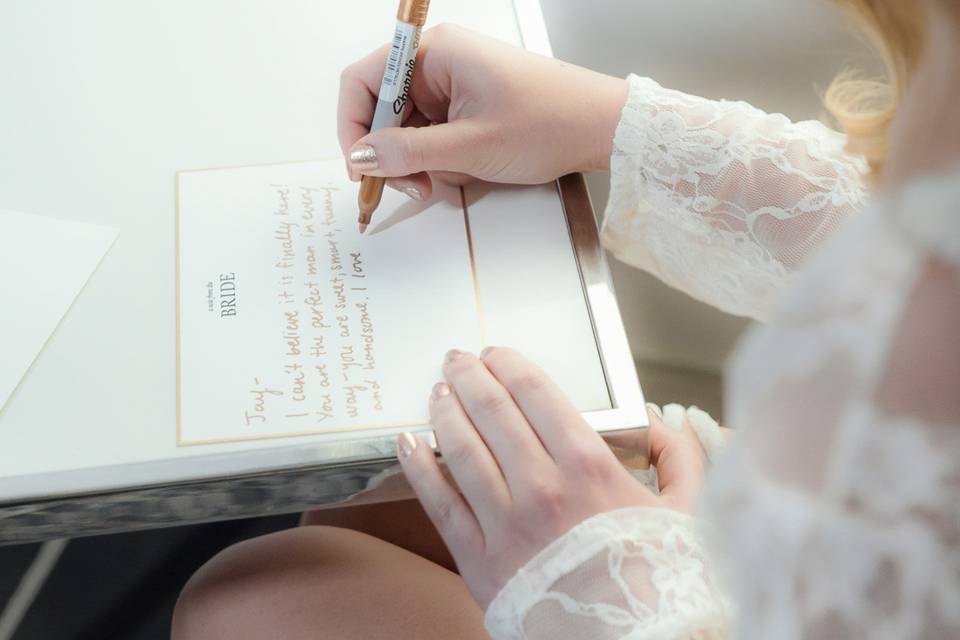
[459, 456]
[443, 517]
[492, 402]
[486, 144]
[529, 381]
[444, 30]
[593, 462]
[409, 153]
[546, 498]
[348, 73]
[489, 137]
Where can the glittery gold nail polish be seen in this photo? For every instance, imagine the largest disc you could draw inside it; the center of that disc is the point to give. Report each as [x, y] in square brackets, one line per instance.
[363, 158]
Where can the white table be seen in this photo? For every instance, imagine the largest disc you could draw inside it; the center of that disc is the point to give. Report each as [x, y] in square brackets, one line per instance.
[104, 100]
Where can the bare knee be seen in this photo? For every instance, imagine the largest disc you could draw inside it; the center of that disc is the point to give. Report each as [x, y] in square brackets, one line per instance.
[261, 587]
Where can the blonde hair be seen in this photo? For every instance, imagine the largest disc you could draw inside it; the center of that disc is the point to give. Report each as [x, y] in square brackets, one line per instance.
[864, 106]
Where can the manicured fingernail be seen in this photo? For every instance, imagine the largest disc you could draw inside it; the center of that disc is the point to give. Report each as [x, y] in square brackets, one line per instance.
[440, 390]
[673, 416]
[486, 351]
[413, 192]
[655, 409]
[406, 443]
[363, 158]
[453, 354]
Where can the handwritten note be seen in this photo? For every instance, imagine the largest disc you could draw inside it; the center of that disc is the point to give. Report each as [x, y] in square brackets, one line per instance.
[292, 323]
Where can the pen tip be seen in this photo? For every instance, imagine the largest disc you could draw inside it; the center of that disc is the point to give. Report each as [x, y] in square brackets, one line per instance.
[363, 227]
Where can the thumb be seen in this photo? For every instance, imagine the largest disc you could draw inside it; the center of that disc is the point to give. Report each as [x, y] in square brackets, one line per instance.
[401, 151]
[676, 453]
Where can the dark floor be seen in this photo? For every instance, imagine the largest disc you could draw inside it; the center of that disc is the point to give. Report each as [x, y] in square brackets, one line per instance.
[123, 586]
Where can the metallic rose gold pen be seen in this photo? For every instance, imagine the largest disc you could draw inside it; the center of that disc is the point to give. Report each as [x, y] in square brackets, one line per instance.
[394, 91]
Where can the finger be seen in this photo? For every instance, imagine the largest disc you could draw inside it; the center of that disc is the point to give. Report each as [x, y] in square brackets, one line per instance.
[676, 453]
[451, 178]
[556, 421]
[359, 92]
[445, 507]
[359, 86]
[503, 427]
[417, 186]
[414, 118]
[468, 458]
[710, 435]
[400, 151]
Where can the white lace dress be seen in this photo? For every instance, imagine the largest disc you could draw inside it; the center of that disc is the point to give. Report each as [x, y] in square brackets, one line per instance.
[836, 511]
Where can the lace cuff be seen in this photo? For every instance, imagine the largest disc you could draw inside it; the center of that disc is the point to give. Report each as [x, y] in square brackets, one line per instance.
[633, 573]
[720, 199]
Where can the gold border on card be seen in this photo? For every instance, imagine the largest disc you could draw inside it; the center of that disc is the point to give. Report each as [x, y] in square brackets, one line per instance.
[473, 269]
[310, 432]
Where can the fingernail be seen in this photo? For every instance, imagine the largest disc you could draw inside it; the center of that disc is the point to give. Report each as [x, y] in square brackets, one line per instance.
[413, 192]
[406, 443]
[452, 355]
[440, 390]
[655, 409]
[674, 415]
[486, 351]
[363, 157]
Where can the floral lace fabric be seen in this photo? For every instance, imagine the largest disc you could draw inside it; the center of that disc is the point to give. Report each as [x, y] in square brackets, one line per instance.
[835, 513]
[630, 573]
[720, 199]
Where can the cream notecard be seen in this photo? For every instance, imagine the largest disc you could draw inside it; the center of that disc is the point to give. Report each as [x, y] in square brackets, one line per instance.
[291, 323]
[44, 263]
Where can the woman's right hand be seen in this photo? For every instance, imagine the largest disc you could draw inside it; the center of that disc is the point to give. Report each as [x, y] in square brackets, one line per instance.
[480, 109]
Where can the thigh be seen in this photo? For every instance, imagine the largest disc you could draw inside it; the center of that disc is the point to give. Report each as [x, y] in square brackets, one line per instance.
[403, 523]
[325, 582]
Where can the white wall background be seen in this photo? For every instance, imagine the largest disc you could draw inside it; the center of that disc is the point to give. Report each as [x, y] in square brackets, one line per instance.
[777, 54]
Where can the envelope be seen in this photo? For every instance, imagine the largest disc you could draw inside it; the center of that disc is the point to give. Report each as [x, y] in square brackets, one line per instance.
[44, 264]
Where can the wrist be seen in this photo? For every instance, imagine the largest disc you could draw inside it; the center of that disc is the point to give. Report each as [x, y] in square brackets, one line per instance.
[608, 98]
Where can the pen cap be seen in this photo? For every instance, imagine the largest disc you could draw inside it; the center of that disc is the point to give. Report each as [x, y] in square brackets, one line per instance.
[413, 12]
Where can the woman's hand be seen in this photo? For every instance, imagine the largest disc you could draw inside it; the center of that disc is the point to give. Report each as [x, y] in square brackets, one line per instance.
[498, 113]
[528, 466]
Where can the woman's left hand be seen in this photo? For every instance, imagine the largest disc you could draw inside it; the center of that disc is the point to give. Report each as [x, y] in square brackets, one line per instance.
[528, 466]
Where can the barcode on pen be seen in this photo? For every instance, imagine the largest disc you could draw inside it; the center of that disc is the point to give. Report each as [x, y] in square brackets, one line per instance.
[402, 50]
[393, 62]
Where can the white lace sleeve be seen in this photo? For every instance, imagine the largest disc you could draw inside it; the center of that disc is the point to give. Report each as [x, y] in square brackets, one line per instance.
[836, 512]
[631, 574]
[837, 509]
[720, 199]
